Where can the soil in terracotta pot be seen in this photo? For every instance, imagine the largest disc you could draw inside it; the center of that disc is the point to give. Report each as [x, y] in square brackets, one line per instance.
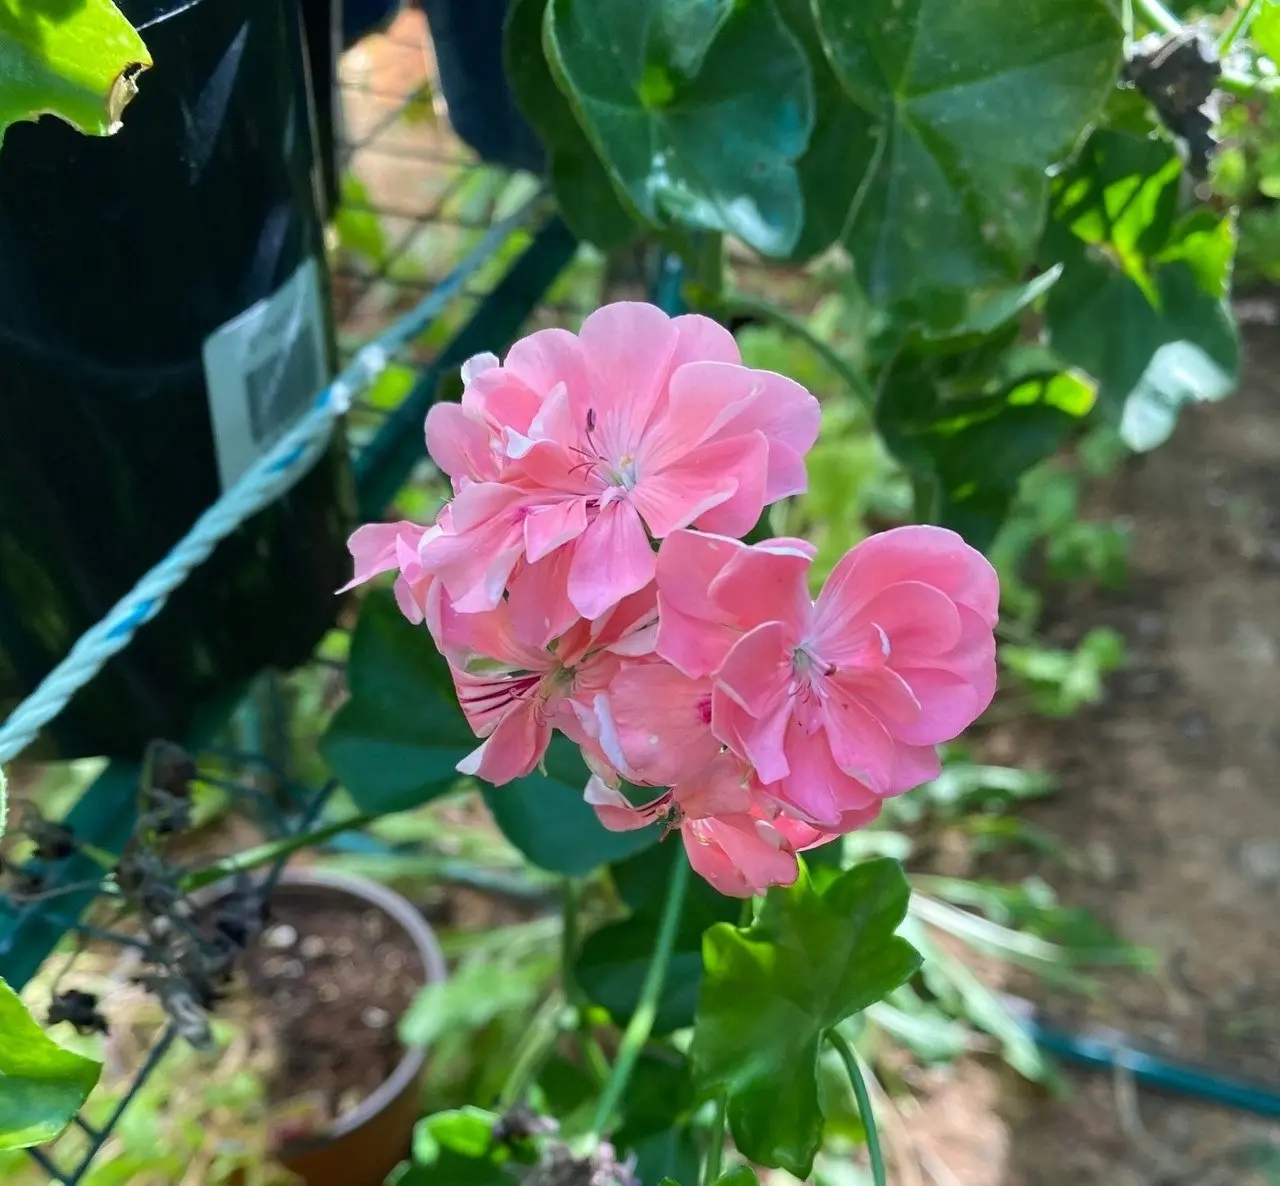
[332, 984]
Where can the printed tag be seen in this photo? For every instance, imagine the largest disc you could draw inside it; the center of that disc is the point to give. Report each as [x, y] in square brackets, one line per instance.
[264, 369]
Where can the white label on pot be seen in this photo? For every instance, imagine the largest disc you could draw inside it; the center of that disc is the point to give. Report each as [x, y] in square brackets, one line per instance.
[264, 369]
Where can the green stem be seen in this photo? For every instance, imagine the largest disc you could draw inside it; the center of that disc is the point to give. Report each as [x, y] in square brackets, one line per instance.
[1243, 19]
[715, 1151]
[264, 854]
[841, 1046]
[640, 1026]
[540, 1039]
[597, 1064]
[1157, 16]
[743, 303]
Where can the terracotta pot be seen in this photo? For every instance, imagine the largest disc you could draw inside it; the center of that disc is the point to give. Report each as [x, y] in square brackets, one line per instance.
[362, 1147]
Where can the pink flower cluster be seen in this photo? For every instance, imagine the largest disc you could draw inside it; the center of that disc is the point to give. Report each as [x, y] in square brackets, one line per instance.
[701, 667]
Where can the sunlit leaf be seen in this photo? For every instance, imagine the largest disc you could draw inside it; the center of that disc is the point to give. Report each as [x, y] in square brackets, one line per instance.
[975, 449]
[76, 59]
[1142, 302]
[42, 1085]
[771, 991]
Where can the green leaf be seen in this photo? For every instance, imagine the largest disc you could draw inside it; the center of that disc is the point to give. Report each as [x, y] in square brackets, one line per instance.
[1265, 30]
[655, 1120]
[4, 802]
[771, 991]
[456, 1147]
[584, 192]
[1142, 302]
[547, 819]
[396, 742]
[611, 964]
[698, 109]
[75, 60]
[973, 103]
[740, 1175]
[42, 1086]
[975, 449]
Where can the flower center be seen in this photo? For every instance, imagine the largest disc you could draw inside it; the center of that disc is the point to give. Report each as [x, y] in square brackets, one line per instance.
[622, 473]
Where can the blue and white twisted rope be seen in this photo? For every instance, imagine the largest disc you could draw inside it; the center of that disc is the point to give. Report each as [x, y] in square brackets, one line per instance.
[270, 476]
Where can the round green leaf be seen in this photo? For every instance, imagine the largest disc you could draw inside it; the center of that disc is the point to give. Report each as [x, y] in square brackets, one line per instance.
[584, 192]
[699, 110]
[771, 991]
[75, 60]
[974, 102]
[398, 739]
[42, 1086]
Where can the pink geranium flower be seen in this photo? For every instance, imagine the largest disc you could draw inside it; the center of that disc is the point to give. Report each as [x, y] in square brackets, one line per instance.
[735, 838]
[835, 702]
[644, 424]
[514, 694]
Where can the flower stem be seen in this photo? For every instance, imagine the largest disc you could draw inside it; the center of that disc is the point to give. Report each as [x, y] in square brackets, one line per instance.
[1157, 16]
[597, 1064]
[739, 302]
[841, 1046]
[1238, 27]
[641, 1024]
[715, 1151]
[539, 1041]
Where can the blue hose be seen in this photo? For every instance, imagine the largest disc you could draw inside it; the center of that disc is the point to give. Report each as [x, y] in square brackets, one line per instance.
[1101, 1050]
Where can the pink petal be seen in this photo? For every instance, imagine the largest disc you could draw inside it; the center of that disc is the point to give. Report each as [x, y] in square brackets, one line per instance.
[860, 744]
[627, 347]
[757, 740]
[757, 672]
[702, 398]
[913, 766]
[538, 599]
[765, 584]
[461, 443]
[689, 634]
[948, 706]
[615, 811]
[881, 691]
[612, 558]
[663, 722]
[553, 466]
[702, 339]
[816, 787]
[549, 357]
[553, 525]
[746, 457]
[674, 497]
[740, 856]
[373, 549]
[789, 417]
[721, 787]
[512, 750]
[931, 555]
[919, 620]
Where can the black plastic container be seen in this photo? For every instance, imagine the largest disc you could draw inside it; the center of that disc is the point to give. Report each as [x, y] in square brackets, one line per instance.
[125, 263]
[467, 36]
